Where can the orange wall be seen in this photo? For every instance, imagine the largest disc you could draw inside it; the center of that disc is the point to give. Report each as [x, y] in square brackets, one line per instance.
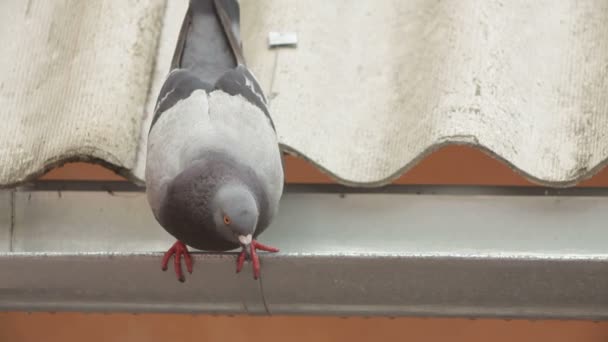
[64, 327]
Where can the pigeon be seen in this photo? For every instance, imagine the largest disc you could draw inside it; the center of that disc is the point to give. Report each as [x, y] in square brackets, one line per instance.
[214, 170]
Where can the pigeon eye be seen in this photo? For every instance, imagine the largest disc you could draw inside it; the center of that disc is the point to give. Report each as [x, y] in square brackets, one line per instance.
[227, 220]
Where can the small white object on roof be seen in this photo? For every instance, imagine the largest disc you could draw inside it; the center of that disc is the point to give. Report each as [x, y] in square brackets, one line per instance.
[276, 39]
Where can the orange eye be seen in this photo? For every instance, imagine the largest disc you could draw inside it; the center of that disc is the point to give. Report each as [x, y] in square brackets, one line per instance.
[227, 220]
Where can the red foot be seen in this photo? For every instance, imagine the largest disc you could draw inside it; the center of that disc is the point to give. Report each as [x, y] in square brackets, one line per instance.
[254, 257]
[179, 249]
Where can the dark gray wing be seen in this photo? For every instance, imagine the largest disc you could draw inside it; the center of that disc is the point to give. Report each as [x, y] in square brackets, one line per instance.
[179, 85]
[209, 47]
[240, 81]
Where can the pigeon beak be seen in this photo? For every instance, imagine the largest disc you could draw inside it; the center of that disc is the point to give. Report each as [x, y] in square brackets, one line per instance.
[245, 240]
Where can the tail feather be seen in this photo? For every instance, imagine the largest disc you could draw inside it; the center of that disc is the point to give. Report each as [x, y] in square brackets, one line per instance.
[228, 12]
[209, 42]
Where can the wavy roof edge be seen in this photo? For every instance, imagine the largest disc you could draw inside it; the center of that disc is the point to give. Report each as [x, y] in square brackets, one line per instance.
[130, 176]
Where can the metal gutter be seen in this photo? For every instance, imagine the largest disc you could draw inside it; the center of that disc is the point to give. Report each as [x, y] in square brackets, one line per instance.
[393, 253]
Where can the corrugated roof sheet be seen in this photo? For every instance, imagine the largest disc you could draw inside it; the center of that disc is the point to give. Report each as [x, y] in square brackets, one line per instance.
[74, 78]
[370, 89]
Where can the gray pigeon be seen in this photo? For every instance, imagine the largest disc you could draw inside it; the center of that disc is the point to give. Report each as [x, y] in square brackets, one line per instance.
[214, 171]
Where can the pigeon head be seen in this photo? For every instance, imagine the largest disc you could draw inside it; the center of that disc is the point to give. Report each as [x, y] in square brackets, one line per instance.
[212, 205]
[235, 213]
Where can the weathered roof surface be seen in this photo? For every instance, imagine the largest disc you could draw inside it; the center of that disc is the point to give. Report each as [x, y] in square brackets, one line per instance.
[74, 77]
[373, 87]
[370, 89]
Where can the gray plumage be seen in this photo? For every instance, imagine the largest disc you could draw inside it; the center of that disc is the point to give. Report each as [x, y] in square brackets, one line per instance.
[213, 155]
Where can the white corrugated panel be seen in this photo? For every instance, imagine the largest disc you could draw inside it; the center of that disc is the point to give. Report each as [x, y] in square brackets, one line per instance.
[371, 88]
[375, 86]
[74, 79]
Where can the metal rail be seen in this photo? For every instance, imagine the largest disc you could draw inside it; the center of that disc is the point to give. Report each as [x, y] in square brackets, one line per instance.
[393, 253]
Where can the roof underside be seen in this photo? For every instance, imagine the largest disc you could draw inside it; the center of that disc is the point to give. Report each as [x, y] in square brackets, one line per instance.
[369, 90]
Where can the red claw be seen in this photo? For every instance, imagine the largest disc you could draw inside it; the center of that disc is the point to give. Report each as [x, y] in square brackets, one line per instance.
[240, 261]
[256, 262]
[264, 247]
[178, 249]
[254, 257]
